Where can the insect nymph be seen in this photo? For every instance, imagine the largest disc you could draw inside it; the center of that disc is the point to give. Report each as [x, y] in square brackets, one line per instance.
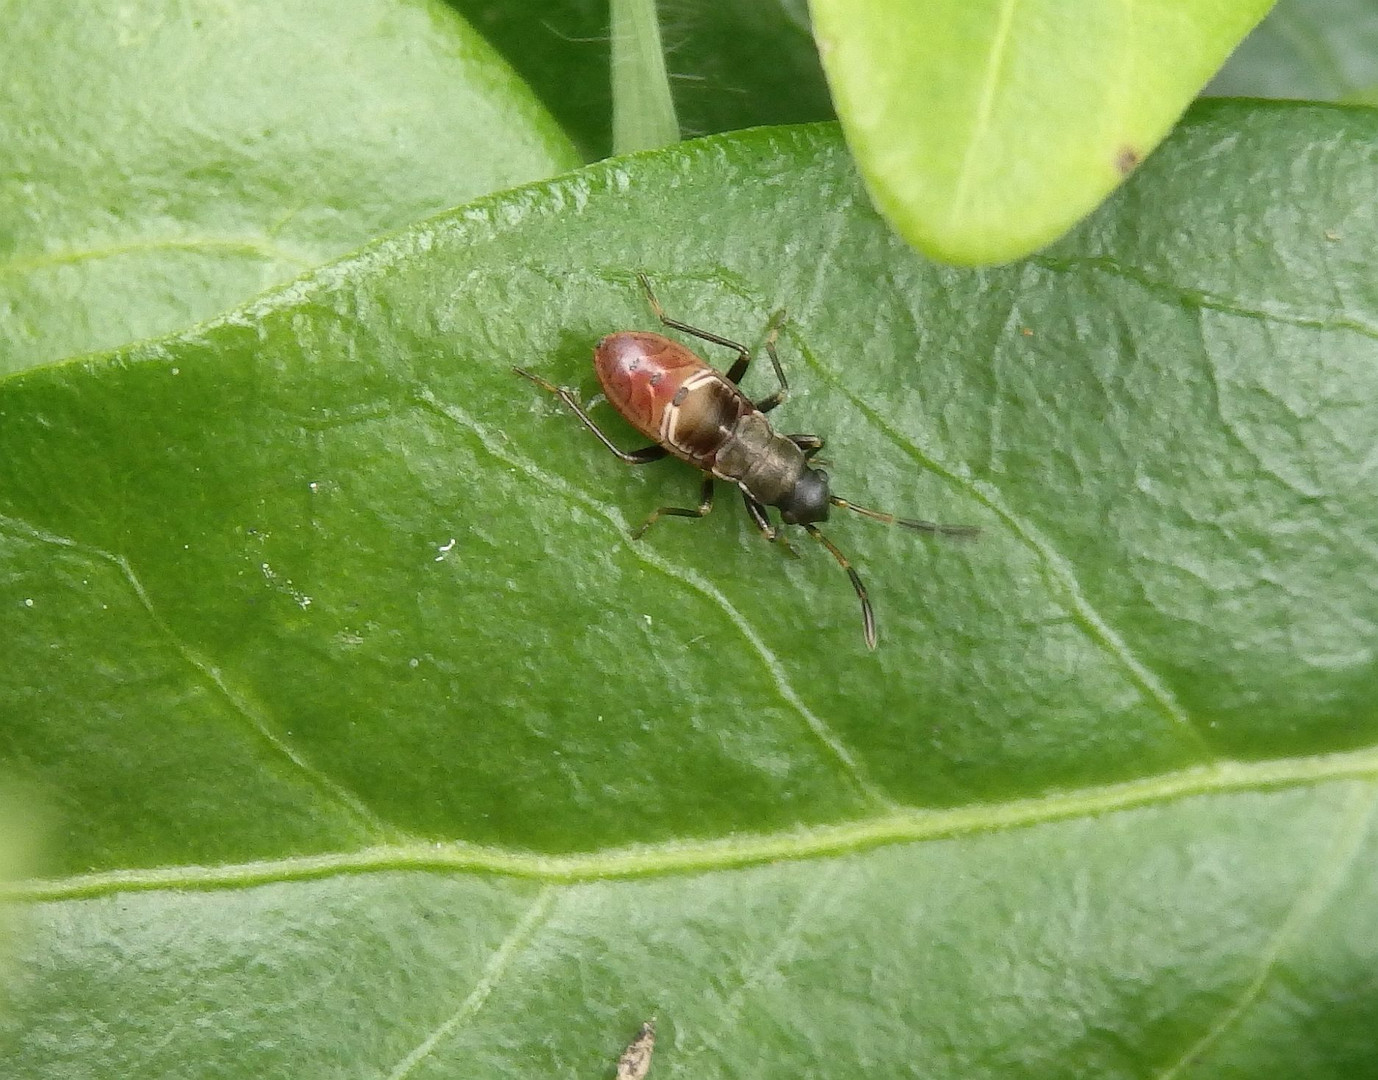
[700, 415]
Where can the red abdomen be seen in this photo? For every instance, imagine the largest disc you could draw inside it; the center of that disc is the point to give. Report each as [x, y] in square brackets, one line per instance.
[641, 374]
[670, 394]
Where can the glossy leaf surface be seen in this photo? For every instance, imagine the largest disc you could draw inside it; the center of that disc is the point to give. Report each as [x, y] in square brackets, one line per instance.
[374, 746]
[985, 131]
[167, 162]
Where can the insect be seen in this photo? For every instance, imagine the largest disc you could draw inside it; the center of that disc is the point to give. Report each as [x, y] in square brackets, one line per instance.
[701, 416]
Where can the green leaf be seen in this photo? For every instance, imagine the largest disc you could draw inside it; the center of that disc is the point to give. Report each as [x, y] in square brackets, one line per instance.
[732, 63]
[16, 844]
[166, 163]
[986, 131]
[376, 747]
[1321, 49]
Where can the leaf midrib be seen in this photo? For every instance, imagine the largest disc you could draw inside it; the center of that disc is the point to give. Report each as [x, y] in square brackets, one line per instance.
[680, 857]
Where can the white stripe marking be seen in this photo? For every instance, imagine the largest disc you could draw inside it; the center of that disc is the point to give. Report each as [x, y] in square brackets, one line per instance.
[669, 420]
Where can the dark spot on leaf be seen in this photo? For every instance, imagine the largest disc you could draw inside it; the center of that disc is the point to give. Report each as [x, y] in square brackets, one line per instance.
[1127, 159]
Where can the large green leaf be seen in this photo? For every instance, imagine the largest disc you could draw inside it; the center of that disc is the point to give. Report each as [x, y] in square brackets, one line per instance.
[166, 162]
[376, 747]
[986, 130]
[1323, 49]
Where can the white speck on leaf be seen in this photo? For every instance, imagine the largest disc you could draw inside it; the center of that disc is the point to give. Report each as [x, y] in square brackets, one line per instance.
[270, 576]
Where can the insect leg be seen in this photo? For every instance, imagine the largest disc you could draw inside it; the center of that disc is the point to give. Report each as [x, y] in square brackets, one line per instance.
[773, 533]
[739, 366]
[810, 444]
[868, 618]
[644, 456]
[705, 505]
[768, 403]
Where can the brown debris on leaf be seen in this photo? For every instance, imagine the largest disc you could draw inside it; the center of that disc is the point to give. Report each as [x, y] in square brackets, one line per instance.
[635, 1061]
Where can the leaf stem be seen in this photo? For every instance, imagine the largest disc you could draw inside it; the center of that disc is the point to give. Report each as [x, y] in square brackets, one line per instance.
[643, 112]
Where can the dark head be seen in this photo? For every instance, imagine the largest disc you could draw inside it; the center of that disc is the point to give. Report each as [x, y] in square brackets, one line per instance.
[809, 499]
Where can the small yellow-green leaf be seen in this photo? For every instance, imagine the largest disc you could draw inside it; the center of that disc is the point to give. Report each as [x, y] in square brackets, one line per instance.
[986, 130]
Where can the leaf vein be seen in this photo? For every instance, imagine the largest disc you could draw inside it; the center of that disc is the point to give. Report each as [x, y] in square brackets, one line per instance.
[755, 974]
[535, 916]
[985, 106]
[1328, 876]
[258, 249]
[253, 720]
[1201, 298]
[501, 448]
[1096, 627]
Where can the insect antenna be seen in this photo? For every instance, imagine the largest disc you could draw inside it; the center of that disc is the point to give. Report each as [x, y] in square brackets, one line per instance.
[868, 618]
[907, 523]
